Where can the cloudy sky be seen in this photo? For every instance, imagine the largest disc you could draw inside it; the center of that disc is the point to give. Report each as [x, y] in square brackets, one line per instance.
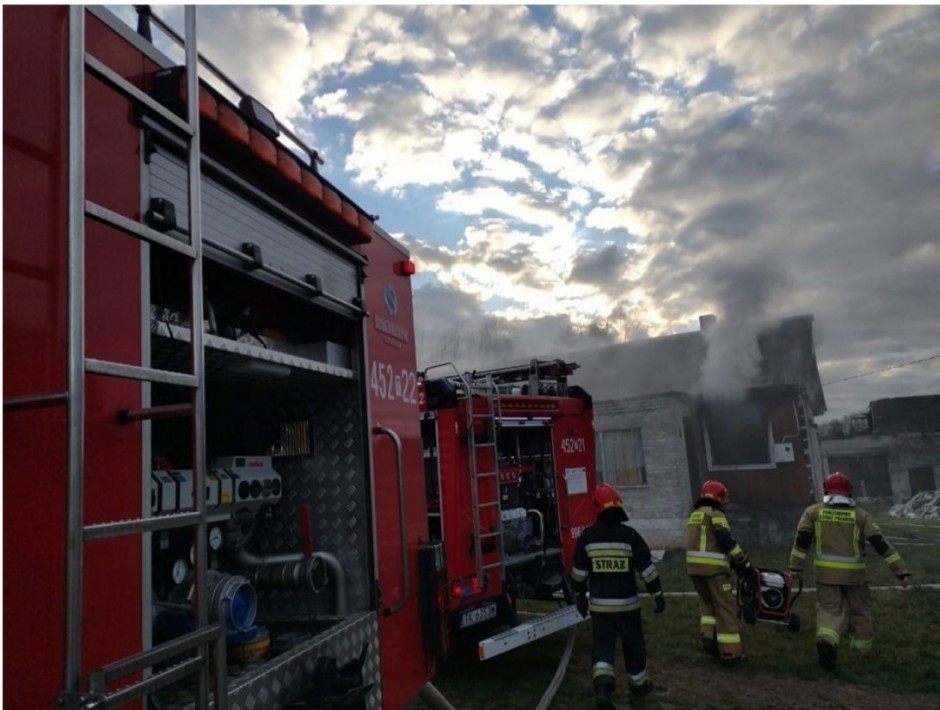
[569, 176]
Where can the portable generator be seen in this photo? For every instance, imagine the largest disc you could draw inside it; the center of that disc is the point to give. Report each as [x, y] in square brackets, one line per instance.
[768, 595]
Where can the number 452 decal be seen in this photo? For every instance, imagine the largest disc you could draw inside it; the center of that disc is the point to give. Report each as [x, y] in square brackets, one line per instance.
[386, 383]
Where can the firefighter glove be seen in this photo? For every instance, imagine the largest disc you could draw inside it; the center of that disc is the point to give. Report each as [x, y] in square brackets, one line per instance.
[742, 565]
[582, 603]
[903, 580]
[659, 604]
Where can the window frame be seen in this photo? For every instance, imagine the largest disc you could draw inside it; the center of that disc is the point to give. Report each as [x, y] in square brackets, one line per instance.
[601, 463]
[712, 466]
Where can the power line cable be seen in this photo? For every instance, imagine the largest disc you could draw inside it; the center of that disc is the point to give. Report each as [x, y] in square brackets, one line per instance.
[883, 369]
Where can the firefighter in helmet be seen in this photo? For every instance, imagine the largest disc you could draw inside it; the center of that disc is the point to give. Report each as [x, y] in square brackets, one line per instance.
[840, 529]
[607, 557]
[711, 553]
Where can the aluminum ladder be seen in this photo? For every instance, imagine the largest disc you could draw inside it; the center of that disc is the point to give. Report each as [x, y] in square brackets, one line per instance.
[479, 473]
[206, 636]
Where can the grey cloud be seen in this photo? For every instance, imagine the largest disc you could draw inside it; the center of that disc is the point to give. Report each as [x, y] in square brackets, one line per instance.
[733, 219]
[429, 253]
[821, 194]
[513, 260]
[602, 267]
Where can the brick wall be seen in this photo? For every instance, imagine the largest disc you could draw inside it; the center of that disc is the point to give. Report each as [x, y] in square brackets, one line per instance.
[658, 509]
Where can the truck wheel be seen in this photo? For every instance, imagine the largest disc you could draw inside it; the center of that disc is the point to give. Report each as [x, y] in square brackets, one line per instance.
[793, 623]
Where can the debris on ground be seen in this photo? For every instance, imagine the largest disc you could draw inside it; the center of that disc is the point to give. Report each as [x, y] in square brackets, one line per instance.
[924, 506]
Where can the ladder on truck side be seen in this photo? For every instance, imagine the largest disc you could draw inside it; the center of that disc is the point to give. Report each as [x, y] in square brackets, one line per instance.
[188, 654]
[481, 473]
[532, 375]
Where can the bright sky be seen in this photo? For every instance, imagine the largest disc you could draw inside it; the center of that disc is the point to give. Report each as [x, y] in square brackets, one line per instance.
[569, 176]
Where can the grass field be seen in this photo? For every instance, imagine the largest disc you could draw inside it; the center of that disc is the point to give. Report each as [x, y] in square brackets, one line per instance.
[902, 671]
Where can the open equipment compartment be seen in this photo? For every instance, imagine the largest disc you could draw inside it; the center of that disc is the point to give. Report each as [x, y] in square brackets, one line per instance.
[287, 484]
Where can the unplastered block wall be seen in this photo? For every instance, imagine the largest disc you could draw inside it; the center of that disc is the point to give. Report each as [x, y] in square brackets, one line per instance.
[658, 509]
[909, 451]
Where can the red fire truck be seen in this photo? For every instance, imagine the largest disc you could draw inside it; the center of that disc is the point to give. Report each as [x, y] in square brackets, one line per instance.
[213, 485]
[509, 471]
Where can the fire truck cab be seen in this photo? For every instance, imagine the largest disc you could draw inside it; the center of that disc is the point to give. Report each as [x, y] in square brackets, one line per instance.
[509, 473]
[204, 499]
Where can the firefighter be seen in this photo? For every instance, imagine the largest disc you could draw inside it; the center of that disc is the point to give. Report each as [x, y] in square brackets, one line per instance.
[607, 557]
[711, 554]
[840, 529]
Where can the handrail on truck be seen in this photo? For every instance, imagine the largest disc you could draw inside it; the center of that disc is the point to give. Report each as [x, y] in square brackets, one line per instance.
[406, 586]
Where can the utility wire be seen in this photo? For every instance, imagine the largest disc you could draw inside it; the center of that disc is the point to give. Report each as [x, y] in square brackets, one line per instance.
[883, 369]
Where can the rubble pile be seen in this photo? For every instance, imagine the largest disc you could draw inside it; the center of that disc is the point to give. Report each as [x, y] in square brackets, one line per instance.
[924, 506]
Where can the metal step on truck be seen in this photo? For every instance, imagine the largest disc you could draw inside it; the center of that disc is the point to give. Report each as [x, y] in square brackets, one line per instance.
[509, 472]
[207, 499]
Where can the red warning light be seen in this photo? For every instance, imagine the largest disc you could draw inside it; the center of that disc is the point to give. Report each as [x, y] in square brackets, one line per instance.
[405, 267]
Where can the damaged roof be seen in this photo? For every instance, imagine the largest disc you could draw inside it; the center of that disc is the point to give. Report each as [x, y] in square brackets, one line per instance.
[906, 415]
[674, 363]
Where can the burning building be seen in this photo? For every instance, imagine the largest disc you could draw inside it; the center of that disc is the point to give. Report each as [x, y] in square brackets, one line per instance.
[733, 401]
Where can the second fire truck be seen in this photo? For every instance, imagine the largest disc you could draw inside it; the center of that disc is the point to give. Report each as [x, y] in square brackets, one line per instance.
[509, 468]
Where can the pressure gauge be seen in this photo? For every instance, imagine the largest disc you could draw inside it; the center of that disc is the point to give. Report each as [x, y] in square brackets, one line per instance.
[215, 537]
[180, 569]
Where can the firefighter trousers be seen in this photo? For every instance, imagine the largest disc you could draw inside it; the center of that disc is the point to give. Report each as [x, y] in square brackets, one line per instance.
[841, 606]
[718, 614]
[606, 628]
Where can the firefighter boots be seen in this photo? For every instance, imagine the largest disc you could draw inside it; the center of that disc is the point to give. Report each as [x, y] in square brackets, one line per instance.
[603, 689]
[827, 655]
[641, 691]
[710, 646]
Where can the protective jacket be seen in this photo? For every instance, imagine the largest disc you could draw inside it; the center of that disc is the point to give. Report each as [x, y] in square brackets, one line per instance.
[710, 548]
[839, 531]
[607, 557]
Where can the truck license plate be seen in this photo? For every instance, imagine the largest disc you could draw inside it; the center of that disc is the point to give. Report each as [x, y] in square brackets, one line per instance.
[477, 615]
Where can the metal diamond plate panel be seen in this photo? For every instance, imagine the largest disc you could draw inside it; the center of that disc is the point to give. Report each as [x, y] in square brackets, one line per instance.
[333, 484]
[281, 681]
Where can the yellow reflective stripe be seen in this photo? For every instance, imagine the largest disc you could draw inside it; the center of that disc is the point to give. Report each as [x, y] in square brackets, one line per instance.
[696, 517]
[696, 560]
[838, 565]
[707, 620]
[706, 553]
[818, 536]
[637, 679]
[579, 575]
[702, 542]
[828, 634]
[601, 552]
[651, 577]
[610, 608]
[719, 522]
[729, 638]
[608, 546]
[860, 644]
[893, 557]
[602, 668]
[735, 551]
[855, 535]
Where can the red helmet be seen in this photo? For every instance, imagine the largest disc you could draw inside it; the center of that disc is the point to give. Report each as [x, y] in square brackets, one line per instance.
[837, 483]
[606, 496]
[716, 490]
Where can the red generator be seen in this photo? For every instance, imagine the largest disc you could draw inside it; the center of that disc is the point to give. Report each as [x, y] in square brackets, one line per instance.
[768, 595]
[509, 474]
[208, 498]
